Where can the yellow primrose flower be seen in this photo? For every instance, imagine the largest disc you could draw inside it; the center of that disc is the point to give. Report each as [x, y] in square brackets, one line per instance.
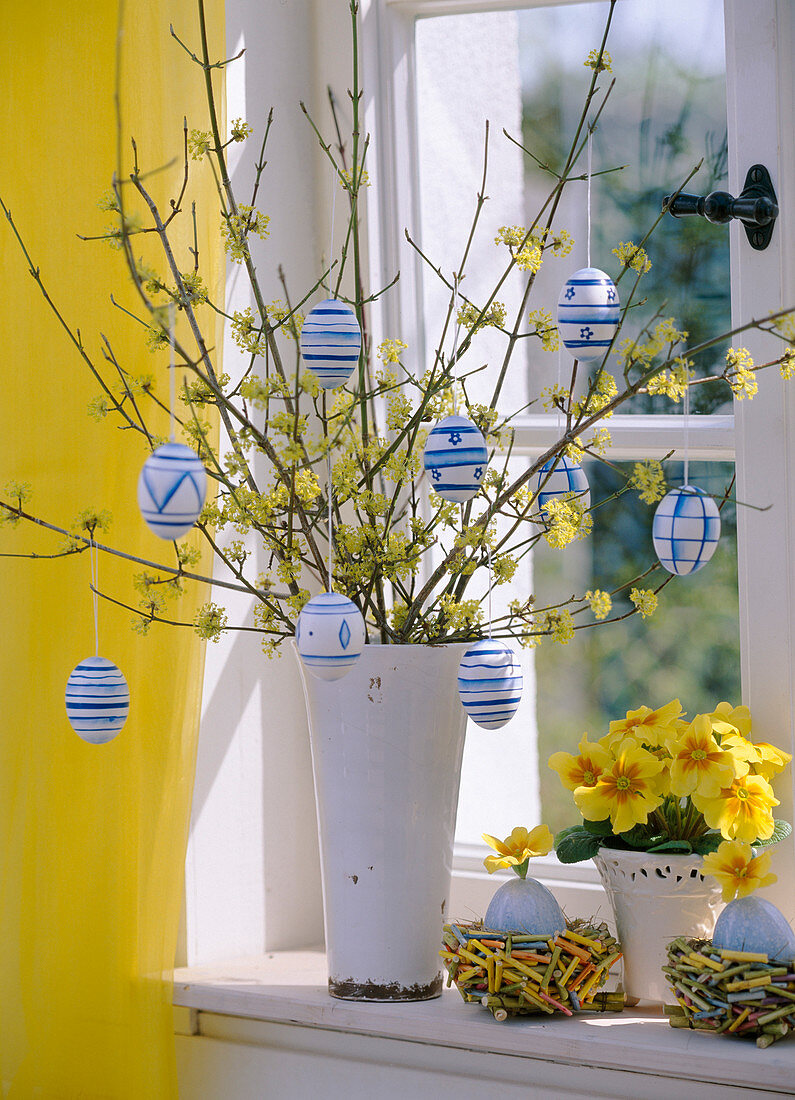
[771, 760]
[737, 871]
[728, 719]
[699, 764]
[518, 847]
[626, 792]
[582, 770]
[650, 727]
[742, 811]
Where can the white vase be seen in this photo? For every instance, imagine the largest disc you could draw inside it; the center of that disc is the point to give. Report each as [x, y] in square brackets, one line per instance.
[656, 897]
[387, 741]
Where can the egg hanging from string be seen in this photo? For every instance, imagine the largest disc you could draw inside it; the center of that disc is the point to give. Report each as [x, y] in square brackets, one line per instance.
[456, 458]
[560, 476]
[588, 313]
[490, 683]
[685, 530]
[331, 342]
[330, 635]
[97, 700]
[171, 489]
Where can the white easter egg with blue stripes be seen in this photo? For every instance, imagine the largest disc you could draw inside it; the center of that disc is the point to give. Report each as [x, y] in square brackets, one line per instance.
[685, 529]
[561, 477]
[171, 489]
[331, 341]
[588, 313]
[490, 683]
[97, 700]
[456, 458]
[330, 635]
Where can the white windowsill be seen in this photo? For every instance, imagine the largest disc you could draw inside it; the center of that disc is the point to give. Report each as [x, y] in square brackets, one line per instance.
[289, 988]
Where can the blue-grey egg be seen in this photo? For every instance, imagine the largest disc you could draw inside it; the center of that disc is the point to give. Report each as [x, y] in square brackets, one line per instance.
[755, 924]
[97, 700]
[524, 905]
[685, 530]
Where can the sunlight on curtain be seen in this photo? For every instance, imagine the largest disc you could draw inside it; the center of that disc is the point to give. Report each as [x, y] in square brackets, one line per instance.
[92, 838]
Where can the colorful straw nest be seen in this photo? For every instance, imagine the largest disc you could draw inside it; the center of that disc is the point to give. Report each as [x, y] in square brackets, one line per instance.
[517, 974]
[730, 992]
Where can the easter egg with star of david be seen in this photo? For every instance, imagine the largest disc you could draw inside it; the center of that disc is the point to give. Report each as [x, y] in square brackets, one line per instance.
[330, 342]
[685, 530]
[490, 683]
[330, 635]
[560, 476]
[455, 458]
[97, 700]
[171, 489]
[588, 313]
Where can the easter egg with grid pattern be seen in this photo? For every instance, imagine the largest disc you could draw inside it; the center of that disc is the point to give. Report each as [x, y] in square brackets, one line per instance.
[686, 530]
[588, 313]
[490, 683]
[330, 342]
[561, 477]
[171, 489]
[455, 458]
[97, 700]
[330, 635]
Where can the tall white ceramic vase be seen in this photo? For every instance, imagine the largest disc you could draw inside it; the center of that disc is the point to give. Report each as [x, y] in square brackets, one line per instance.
[387, 741]
[656, 896]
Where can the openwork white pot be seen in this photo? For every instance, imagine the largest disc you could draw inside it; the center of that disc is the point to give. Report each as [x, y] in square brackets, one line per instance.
[387, 741]
[655, 898]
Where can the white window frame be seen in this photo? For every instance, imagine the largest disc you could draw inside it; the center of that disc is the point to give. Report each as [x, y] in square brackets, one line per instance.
[759, 40]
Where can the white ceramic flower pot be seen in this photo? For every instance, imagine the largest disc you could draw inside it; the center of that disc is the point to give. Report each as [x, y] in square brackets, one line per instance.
[387, 741]
[655, 898]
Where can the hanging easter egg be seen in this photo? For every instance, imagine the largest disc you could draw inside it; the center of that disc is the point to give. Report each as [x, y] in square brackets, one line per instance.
[588, 313]
[756, 925]
[330, 635]
[456, 458]
[331, 341]
[524, 905]
[171, 489]
[561, 477]
[97, 700]
[490, 683]
[686, 529]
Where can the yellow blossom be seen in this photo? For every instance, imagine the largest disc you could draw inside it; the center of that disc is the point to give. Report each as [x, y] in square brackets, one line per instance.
[650, 727]
[469, 316]
[632, 255]
[566, 520]
[644, 600]
[770, 760]
[699, 764]
[582, 770]
[558, 623]
[740, 374]
[648, 478]
[737, 871]
[518, 848]
[600, 602]
[543, 326]
[599, 62]
[672, 383]
[726, 719]
[742, 811]
[626, 792]
[389, 350]
[787, 365]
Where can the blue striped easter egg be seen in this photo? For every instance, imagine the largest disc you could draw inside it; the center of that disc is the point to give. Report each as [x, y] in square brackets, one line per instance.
[330, 635]
[685, 530]
[490, 683]
[588, 313]
[456, 458]
[97, 700]
[171, 489]
[561, 477]
[331, 341]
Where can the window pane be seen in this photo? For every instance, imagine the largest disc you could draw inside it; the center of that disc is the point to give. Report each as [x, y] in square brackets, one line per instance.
[688, 649]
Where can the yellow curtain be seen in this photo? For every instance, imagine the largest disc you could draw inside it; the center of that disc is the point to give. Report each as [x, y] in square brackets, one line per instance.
[92, 838]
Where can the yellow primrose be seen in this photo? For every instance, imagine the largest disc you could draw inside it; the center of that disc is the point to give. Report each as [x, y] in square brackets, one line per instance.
[742, 811]
[699, 764]
[582, 770]
[771, 760]
[727, 719]
[650, 727]
[737, 871]
[626, 792]
[517, 848]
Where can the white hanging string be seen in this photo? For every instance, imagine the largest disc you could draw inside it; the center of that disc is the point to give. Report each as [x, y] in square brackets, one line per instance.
[588, 207]
[93, 557]
[171, 372]
[455, 343]
[330, 530]
[686, 427]
[334, 185]
[491, 627]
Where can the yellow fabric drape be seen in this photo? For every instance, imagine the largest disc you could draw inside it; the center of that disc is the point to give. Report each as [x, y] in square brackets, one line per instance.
[92, 838]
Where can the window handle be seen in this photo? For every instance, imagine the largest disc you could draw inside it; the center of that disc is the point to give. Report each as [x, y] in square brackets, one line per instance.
[756, 207]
